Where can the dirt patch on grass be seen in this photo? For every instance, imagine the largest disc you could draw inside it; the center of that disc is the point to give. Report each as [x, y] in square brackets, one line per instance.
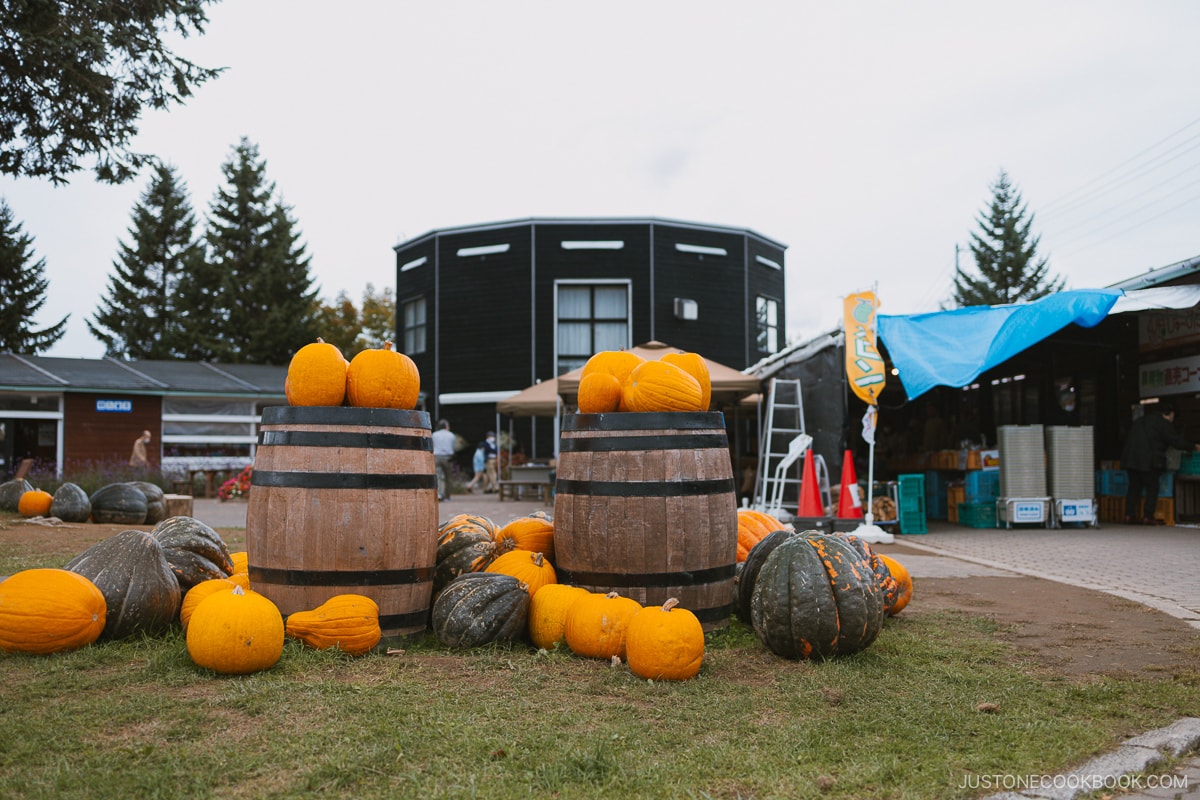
[1075, 631]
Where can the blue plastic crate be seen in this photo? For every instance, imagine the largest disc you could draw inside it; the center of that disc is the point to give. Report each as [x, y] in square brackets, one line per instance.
[913, 522]
[911, 493]
[1166, 484]
[1112, 482]
[980, 486]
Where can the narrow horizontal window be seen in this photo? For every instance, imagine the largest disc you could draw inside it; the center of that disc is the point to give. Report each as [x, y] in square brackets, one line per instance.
[612, 244]
[416, 262]
[700, 249]
[767, 262]
[484, 250]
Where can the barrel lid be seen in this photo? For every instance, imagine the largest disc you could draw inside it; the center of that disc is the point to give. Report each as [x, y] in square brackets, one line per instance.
[644, 420]
[345, 415]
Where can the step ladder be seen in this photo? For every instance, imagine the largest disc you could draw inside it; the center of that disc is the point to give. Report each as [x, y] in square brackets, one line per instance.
[782, 443]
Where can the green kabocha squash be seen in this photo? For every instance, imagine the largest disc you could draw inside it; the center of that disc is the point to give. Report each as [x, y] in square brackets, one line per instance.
[11, 491]
[71, 504]
[140, 592]
[815, 597]
[119, 504]
[478, 608]
[748, 570]
[889, 587]
[462, 548]
[156, 501]
[194, 550]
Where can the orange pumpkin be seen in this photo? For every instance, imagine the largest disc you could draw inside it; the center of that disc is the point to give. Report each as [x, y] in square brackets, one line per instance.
[665, 643]
[316, 376]
[383, 378]
[595, 626]
[534, 533]
[35, 503]
[904, 581]
[661, 386]
[200, 592]
[599, 393]
[548, 613]
[753, 526]
[49, 610]
[694, 364]
[618, 363]
[531, 569]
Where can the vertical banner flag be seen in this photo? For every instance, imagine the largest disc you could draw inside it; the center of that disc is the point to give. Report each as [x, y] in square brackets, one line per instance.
[864, 365]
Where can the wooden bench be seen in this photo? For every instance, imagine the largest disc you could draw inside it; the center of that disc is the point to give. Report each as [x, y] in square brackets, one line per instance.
[515, 489]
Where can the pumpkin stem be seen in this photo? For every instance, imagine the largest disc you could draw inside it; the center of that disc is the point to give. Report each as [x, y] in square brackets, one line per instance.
[671, 603]
[611, 595]
[238, 590]
[387, 345]
[538, 559]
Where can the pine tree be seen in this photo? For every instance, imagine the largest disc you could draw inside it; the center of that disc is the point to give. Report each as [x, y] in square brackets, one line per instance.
[252, 298]
[1009, 269]
[137, 318]
[23, 285]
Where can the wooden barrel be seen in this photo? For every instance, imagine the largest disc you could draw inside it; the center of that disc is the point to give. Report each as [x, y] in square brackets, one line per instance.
[644, 506]
[344, 500]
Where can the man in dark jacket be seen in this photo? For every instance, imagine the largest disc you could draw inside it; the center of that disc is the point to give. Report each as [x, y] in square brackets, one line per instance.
[1145, 457]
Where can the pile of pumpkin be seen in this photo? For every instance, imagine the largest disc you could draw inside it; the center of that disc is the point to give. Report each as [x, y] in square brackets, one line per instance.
[123, 503]
[319, 375]
[806, 594]
[143, 582]
[619, 380]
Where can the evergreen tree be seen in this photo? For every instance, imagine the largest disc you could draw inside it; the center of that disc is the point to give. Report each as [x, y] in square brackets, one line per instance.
[23, 285]
[137, 318]
[76, 74]
[252, 300]
[1005, 253]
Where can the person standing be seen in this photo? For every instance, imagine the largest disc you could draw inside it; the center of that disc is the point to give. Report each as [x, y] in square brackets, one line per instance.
[1145, 457]
[139, 458]
[491, 455]
[479, 465]
[443, 451]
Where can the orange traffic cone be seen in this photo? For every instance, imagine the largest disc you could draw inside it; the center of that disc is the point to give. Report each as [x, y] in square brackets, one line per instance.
[810, 493]
[849, 501]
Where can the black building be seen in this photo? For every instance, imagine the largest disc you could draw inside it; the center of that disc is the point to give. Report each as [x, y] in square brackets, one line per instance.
[487, 310]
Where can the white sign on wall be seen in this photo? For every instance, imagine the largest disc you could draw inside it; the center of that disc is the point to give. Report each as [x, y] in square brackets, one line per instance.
[1177, 376]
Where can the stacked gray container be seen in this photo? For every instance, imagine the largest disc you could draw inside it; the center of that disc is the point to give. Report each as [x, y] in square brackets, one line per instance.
[1070, 464]
[1023, 496]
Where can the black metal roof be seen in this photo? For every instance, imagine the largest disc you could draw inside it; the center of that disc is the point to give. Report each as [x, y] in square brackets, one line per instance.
[598, 221]
[52, 374]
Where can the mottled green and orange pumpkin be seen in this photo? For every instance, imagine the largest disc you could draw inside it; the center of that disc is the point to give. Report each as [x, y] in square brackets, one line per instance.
[479, 608]
[815, 597]
[141, 592]
[467, 546]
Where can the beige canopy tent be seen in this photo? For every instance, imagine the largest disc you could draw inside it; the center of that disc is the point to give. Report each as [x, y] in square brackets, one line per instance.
[551, 397]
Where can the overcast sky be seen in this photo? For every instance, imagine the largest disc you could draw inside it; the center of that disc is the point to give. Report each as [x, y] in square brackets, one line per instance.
[865, 136]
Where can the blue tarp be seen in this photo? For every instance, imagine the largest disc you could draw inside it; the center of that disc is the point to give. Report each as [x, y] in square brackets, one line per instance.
[952, 348]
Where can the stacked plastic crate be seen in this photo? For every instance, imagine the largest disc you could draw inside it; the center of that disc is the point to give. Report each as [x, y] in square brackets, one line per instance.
[1069, 460]
[1023, 497]
[980, 488]
[911, 504]
[1111, 486]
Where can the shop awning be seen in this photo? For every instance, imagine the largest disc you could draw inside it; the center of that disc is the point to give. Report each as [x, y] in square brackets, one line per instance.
[953, 348]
